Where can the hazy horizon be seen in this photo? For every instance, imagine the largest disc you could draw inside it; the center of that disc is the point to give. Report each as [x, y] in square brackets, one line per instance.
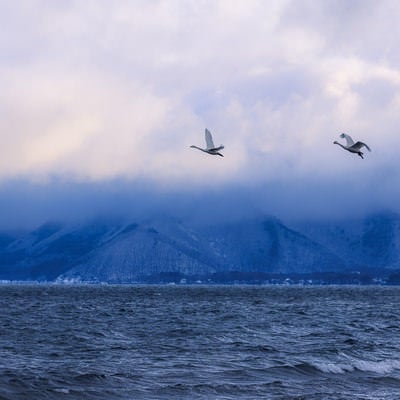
[26, 205]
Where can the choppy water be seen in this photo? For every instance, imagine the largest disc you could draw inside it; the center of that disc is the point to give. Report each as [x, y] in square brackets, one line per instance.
[152, 342]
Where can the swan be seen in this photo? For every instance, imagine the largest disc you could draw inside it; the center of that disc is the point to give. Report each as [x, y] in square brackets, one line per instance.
[351, 146]
[210, 149]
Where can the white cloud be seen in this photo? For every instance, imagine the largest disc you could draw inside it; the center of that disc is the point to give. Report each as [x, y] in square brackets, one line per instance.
[109, 89]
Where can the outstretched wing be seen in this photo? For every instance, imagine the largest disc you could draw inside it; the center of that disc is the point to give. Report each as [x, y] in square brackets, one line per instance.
[359, 145]
[348, 138]
[218, 148]
[209, 140]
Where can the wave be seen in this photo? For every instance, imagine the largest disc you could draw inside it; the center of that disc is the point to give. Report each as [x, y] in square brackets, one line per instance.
[383, 367]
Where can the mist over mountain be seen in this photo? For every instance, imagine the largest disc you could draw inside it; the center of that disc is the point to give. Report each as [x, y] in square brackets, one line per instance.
[373, 241]
[115, 251]
[25, 205]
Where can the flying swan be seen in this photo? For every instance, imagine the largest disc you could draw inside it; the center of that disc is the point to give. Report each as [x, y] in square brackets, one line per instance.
[210, 149]
[351, 146]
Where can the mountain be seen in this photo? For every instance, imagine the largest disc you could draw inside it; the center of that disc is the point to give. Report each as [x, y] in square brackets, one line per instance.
[48, 251]
[372, 242]
[140, 251]
[267, 245]
[167, 249]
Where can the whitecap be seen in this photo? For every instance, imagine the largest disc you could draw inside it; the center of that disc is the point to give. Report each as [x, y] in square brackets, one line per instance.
[380, 367]
[62, 390]
[332, 368]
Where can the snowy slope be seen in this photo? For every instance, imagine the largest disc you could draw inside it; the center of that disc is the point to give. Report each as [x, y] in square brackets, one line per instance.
[145, 250]
[269, 246]
[113, 251]
[372, 242]
[263, 246]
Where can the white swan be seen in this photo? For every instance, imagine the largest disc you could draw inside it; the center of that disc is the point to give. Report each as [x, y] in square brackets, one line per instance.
[210, 149]
[351, 146]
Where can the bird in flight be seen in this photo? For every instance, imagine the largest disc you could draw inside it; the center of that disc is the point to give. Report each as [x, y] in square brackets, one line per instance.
[210, 146]
[351, 146]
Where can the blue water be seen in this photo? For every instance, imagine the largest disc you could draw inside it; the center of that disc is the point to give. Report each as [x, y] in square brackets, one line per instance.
[154, 342]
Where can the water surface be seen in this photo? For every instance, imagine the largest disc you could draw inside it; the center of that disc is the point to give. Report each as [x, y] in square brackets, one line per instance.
[199, 342]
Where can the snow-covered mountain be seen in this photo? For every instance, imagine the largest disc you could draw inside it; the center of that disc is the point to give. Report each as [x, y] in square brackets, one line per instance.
[267, 245]
[113, 251]
[150, 249]
[146, 249]
[373, 242]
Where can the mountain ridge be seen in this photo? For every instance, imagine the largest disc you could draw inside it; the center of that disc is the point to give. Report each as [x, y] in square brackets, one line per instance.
[131, 251]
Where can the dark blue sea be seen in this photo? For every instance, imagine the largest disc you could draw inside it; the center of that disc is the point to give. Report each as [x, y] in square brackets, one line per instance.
[199, 342]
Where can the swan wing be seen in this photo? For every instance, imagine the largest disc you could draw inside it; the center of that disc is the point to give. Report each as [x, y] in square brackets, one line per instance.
[209, 140]
[217, 148]
[348, 138]
[359, 145]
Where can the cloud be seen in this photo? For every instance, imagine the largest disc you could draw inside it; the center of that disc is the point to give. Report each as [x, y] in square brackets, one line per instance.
[98, 92]
[25, 205]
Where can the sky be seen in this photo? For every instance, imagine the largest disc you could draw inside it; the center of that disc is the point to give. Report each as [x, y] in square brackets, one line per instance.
[101, 100]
